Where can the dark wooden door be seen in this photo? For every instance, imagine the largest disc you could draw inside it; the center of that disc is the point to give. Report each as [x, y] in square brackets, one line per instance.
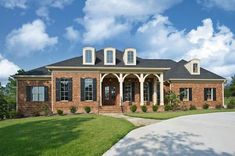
[109, 93]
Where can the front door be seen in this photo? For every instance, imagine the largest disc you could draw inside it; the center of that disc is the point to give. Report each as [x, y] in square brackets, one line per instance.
[109, 94]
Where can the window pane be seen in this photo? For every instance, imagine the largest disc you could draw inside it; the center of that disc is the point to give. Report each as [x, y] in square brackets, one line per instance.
[41, 93]
[195, 68]
[146, 91]
[128, 92]
[88, 56]
[109, 56]
[88, 92]
[130, 57]
[38, 94]
[35, 93]
[64, 82]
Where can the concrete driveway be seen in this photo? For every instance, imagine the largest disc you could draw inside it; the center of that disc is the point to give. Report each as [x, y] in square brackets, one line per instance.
[195, 135]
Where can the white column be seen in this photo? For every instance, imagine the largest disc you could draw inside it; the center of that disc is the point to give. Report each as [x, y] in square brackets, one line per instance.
[101, 80]
[155, 92]
[161, 90]
[121, 88]
[141, 89]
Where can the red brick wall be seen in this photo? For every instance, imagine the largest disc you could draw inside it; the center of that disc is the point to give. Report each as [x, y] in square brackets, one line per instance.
[32, 108]
[198, 92]
[76, 100]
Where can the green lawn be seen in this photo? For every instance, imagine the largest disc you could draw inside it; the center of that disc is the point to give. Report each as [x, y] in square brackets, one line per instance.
[168, 115]
[61, 135]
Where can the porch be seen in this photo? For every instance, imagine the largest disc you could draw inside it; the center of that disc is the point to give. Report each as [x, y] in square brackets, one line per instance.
[122, 89]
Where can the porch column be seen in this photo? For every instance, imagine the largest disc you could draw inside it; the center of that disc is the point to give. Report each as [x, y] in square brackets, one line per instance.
[141, 89]
[121, 88]
[161, 90]
[155, 92]
[101, 80]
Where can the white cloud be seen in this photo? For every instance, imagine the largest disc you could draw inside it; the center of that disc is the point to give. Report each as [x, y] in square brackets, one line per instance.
[72, 34]
[12, 4]
[43, 12]
[30, 38]
[104, 19]
[228, 5]
[7, 68]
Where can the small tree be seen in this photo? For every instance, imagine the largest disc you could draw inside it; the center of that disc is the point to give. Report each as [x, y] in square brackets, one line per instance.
[172, 100]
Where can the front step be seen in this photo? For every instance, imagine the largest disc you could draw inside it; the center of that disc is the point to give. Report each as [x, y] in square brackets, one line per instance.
[110, 109]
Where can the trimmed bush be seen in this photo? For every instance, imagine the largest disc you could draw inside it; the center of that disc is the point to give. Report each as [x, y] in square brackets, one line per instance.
[218, 106]
[133, 108]
[144, 108]
[73, 109]
[192, 107]
[87, 109]
[155, 108]
[167, 107]
[60, 112]
[46, 111]
[205, 106]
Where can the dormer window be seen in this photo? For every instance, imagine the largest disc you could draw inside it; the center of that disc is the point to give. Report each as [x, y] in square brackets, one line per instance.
[88, 56]
[109, 56]
[129, 56]
[195, 68]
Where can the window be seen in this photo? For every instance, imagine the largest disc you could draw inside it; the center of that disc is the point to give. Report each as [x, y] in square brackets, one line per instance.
[195, 68]
[128, 92]
[88, 92]
[64, 89]
[210, 94]
[130, 57]
[38, 93]
[146, 91]
[88, 56]
[109, 56]
[186, 94]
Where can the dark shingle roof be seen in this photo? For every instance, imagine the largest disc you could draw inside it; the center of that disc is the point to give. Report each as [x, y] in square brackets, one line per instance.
[180, 72]
[177, 71]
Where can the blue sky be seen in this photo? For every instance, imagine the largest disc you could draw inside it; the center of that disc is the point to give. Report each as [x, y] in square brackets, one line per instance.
[36, 33]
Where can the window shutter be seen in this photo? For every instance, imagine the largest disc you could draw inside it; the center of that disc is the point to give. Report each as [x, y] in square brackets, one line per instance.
[133, 91]
[28, 93]
[181, 95]
[70, 89]
[46, 93]
[57, 89]
[214, 94]
[82, 89]
[94, 90]
[205, 92]
[190, 94]
[150, 91]
[123, 93]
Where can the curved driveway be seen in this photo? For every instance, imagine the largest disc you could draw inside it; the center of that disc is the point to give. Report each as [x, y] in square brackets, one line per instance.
[195, 135]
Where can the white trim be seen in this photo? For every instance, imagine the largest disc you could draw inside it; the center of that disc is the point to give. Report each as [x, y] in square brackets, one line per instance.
[84, 55]
[125, 56]
[105, 56]
[197, 79]
[33, 76]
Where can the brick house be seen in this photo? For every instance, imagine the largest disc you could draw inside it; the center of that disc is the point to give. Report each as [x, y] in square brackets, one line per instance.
[110, 80]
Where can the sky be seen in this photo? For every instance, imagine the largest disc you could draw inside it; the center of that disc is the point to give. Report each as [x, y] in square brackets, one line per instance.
[35, 33]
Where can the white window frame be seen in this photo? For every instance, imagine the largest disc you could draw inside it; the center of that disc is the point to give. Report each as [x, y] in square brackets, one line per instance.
[106, 56]
[212, 94]
[92, 53]
[146, 92]
[187, 94]
[196, 69]
[128, 86]
[125, 56]
[89, 91]
[63, 96]
[36, 96]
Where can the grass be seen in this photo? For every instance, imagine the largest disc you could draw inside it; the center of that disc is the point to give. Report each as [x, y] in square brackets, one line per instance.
[168, 115]
[61, 135]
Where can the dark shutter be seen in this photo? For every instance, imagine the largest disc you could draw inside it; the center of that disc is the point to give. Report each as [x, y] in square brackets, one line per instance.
[82, 89]
[181, 94]
[190, 94]
[94, 90]
[205, 93]
[70, 89]
[150, 91]
[133, 92]
[214, 94]
[28, 93]
[46, 93]
[123, 92]
[57, 89]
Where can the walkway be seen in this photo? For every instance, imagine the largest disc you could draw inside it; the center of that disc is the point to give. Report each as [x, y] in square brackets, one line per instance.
[205, 134]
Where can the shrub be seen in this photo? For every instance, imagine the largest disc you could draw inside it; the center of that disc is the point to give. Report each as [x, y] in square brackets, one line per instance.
[60, 112]
[231, 104]
[87, 109]
[133, 108]
[155, 108]
[12, 114]
[46, 111]
[144, 108]
[192, 107]
[167, 107]
[205, 106]
[218, 106]
[183, 107]
[73, 109]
